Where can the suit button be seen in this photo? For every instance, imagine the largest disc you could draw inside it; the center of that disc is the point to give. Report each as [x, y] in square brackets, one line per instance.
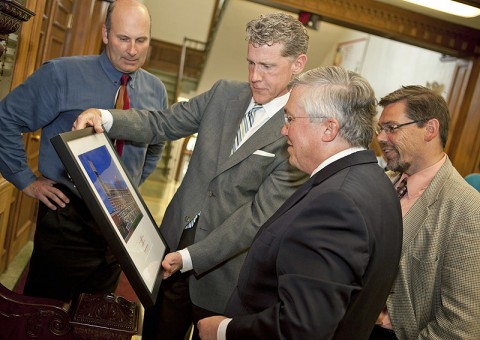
[187, 219]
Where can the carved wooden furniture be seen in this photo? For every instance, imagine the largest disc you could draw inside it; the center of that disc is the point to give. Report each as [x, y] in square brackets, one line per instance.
[12, 14]
[91, 317]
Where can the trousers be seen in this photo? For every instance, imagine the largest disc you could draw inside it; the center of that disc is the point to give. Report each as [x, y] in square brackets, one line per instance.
[70, 256]
[380, 333]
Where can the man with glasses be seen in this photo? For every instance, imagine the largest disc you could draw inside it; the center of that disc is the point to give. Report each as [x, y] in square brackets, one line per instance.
[436, 294]
[322, 266]
[236, 178]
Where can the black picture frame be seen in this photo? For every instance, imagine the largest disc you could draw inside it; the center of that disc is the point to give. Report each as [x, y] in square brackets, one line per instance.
[117, 207]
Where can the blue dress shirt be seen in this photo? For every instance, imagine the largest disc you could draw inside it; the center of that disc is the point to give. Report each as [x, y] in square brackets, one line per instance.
[53, 97]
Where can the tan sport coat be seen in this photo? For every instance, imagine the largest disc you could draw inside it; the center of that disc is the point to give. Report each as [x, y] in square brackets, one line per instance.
[436, 294]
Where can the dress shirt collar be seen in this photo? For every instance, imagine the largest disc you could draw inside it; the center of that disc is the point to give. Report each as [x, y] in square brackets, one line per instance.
[269, 109]
[419, 181]
[113, 74]
[336, 157]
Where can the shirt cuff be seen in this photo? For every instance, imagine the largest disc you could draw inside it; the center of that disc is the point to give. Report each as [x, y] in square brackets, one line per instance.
[107, 119]
[186, 260]
[222, 329]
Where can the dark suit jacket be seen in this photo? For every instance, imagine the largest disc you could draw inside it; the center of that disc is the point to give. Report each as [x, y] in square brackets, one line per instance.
[236, 194]
[322, 266]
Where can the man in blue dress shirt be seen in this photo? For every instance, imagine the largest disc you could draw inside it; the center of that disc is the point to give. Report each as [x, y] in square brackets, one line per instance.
[70, 256]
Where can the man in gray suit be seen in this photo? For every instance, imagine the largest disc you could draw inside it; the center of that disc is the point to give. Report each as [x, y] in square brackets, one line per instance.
[322, 266]
[228, 191]
[436, 294]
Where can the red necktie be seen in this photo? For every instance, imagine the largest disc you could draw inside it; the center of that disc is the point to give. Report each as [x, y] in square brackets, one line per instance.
[122, 103]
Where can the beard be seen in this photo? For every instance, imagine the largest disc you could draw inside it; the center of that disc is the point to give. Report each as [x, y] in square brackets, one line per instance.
[394, 161]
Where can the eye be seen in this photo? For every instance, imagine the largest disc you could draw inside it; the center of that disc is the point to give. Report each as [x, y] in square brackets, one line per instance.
[390, 128]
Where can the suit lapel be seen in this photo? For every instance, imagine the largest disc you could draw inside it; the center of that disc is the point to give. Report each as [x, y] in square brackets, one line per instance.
[238, 107]
[414, 219]
[267, 134]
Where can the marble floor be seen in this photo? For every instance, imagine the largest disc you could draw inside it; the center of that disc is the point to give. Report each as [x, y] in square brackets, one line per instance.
[157, 191]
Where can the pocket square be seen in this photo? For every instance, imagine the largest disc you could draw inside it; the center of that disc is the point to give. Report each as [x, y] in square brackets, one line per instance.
[264, 153]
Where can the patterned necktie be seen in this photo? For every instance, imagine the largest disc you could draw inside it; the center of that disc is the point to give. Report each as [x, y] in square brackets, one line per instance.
[245, 125]
[122, 103]
[402, 188]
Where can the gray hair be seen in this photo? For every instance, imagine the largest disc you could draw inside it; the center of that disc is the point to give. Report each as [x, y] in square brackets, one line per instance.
[279, 28]
[335, 92]
[422, 104]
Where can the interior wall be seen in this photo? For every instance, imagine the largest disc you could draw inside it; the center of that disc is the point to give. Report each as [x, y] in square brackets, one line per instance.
[390, 64]
[174, 20]
[227, 58]
[387, 64]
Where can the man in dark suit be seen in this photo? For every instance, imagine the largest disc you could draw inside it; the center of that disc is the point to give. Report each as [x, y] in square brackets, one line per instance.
[322, 266]
[228, 192]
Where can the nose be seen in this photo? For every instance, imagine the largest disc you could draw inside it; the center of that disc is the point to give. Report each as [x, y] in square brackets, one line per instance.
[254, 74]
[284, 130]
[381, 136]
[132, 48]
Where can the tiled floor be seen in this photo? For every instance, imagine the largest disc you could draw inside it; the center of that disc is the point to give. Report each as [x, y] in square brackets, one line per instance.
[156, 192]
[15, 269]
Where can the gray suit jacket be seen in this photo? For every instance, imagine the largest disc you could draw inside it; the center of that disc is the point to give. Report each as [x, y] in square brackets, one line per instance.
[436, 294]
[235, 194]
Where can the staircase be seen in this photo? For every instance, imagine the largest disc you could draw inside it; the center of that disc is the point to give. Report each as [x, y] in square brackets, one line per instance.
[167, 60]
[180, 67]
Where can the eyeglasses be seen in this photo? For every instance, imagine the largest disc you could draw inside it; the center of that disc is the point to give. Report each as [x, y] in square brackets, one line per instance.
[390, 128]
[289, 119]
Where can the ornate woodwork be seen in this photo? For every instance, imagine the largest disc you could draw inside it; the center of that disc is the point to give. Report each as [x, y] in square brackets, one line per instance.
[12, 14]
[91, 317]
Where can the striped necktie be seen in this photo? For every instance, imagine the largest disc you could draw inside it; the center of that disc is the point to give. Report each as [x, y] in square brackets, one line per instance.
[122, 103]
[245, 125]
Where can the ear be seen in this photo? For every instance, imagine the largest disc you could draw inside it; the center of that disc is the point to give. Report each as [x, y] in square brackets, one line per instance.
[331, 128]
[299, 64]
[432, 129]
[104, 34]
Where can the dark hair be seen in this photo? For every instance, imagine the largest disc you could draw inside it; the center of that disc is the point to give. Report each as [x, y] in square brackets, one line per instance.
[422, 104]
[108, 18]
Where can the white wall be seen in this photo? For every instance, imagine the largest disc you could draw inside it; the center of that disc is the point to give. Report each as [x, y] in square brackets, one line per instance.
[172, 20]
[388, 64]
[227, 59]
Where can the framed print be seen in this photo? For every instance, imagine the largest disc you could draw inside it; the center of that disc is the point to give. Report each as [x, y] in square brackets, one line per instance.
[116, 206]
[351, 54]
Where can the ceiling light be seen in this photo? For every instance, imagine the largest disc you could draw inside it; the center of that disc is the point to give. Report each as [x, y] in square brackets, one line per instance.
[448, 6]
